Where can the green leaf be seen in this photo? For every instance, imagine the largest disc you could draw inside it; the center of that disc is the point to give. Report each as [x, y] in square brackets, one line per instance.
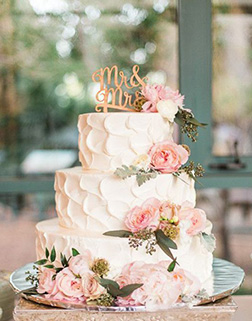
[161, 236]
[179, 119]
[41, 262]
[172, 265]
[194, 121]
[49, 266]
[112, 290]
[128, 289]
[118, 233]
[111, 286]
[75, 252]
[209, 241]
[165, 243]
[106, 282]
[29, 291]
[58, 269]
[144, 176]
[53, 254]
[63, 260]
[47, 253]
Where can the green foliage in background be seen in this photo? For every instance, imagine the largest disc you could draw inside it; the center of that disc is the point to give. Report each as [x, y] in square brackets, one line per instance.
[46, 62]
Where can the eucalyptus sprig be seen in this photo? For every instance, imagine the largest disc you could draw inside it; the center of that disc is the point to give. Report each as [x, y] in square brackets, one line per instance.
[142, 175]
[189, 125]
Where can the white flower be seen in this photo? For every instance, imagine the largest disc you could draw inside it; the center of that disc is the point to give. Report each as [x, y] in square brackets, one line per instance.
[167, 109]
[142, 161]
[90, 286]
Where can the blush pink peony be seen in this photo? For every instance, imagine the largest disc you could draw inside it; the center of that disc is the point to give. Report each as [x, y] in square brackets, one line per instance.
[159, 290]
[46, 281]
[145, 216]
[68, 285]
[195, 217]
[167, 156]
[190, 284]
[80, 263]
[166, 93]
[155, 93]
[150, 92]
[91, 288]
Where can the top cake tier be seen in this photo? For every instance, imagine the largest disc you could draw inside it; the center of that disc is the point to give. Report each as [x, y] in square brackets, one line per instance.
[108, 140]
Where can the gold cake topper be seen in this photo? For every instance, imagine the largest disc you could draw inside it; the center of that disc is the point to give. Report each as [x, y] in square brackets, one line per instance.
[111, 93]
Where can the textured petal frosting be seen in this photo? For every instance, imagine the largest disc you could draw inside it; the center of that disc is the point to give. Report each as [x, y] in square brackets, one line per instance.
[113, 148]
[103, 137]
[116, 125]
[99, 201]
[96, 141]
[140, 143]
[193, 257]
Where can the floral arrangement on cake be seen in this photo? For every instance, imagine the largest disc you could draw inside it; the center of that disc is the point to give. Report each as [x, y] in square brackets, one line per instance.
[169, 103]
[164, 157]
[157, 223]
[82, 279]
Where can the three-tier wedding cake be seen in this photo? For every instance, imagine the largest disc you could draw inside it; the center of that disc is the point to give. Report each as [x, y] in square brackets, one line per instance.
[127, 231]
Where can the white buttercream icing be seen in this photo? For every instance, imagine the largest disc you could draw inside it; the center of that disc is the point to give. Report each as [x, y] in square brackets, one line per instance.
[99, 201]
[91, 200]
[108, 140]
[191, 256]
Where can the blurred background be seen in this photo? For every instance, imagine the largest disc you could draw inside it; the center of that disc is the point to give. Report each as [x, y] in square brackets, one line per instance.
[48, 51]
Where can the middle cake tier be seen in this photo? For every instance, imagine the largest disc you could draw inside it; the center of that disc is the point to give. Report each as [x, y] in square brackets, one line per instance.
[98, 201]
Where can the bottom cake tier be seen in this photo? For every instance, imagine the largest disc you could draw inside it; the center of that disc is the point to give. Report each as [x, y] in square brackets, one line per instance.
[192, 256]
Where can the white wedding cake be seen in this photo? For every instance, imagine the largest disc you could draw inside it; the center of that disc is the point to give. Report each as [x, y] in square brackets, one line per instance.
[130, 193]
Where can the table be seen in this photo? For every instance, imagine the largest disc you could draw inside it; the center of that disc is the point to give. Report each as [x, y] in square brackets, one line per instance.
[244, 311]
[222, 310]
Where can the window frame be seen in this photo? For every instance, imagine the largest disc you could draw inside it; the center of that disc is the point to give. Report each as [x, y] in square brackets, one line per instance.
[195, 79]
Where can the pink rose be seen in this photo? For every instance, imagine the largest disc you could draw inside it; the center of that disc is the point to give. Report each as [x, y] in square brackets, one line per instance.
[46, 281]
[145, 216]
[69, 285]
[196, 218]
[91, 288]
[155, 93]
[167, 156]
[151, 94]
[168, 210]
[80, 263]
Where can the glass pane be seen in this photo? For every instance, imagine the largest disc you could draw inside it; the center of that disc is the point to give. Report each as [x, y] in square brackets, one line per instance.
[48, 51]
[232, 77]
